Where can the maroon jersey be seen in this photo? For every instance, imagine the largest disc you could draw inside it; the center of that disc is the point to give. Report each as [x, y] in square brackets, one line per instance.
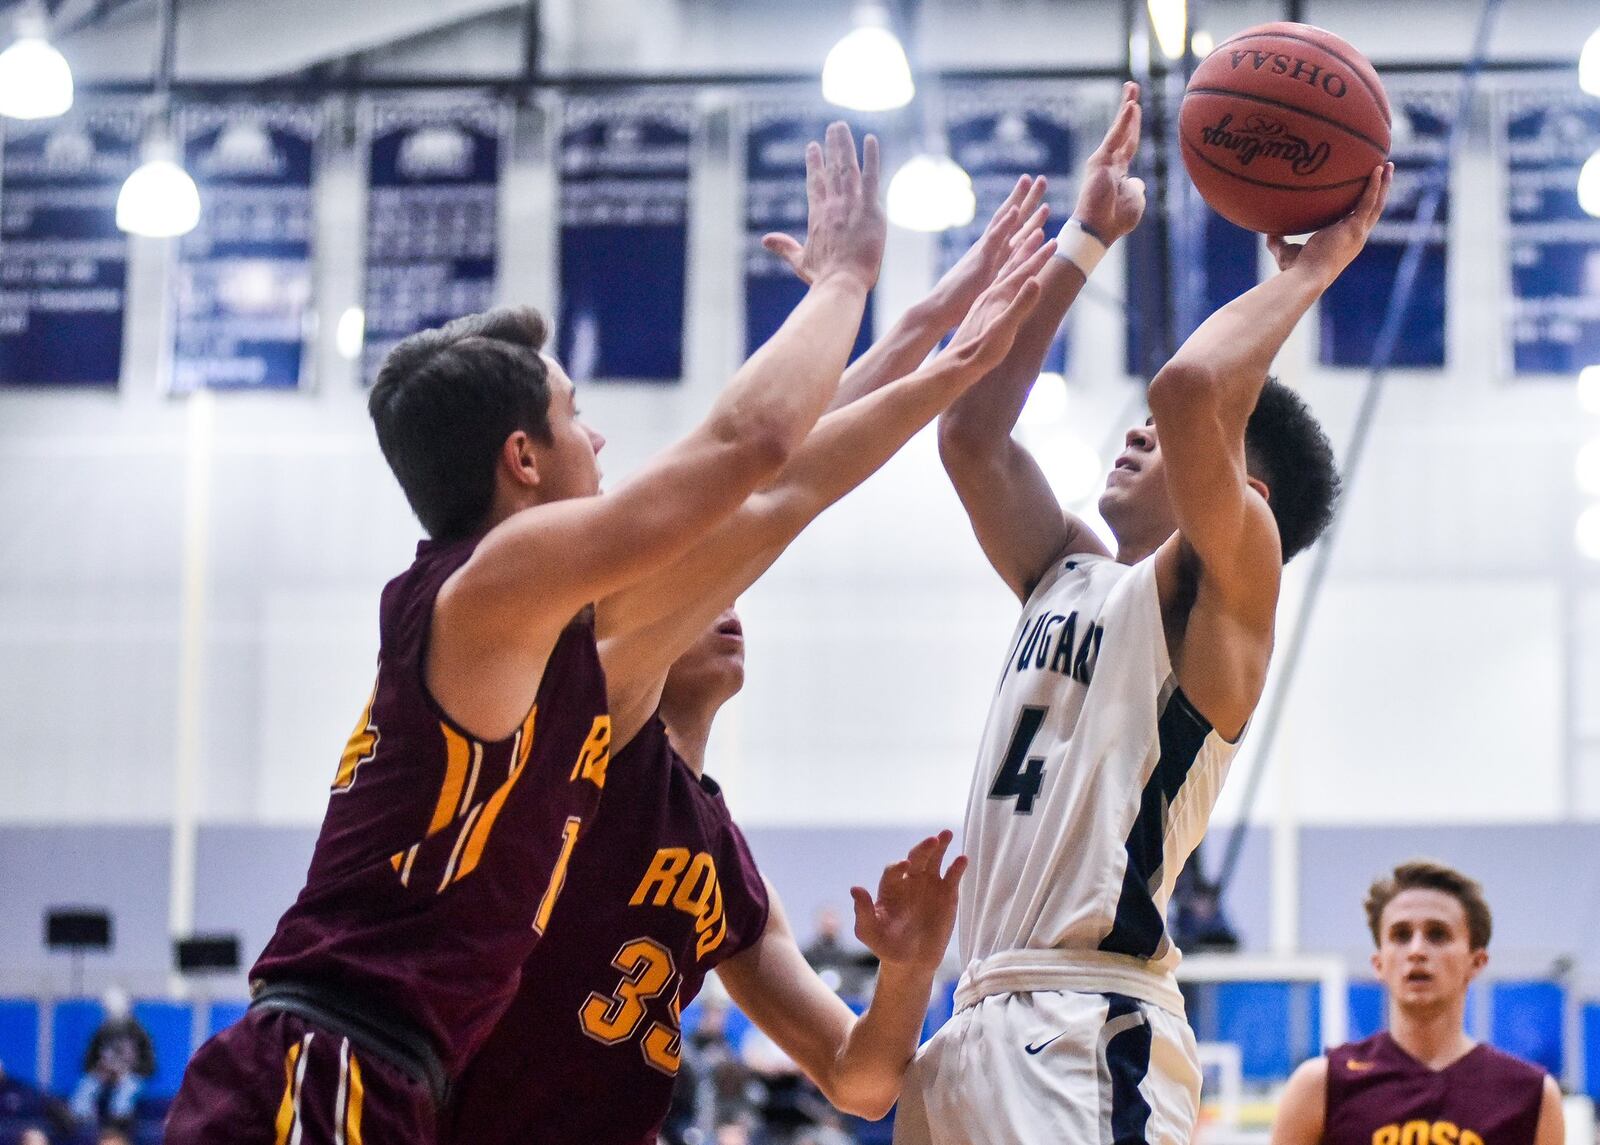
[441, 855]
[1380, 1095]
[662, 889]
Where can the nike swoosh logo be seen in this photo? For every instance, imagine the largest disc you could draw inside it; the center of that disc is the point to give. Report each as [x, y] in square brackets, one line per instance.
[1354, 1065]
[1042, 1045]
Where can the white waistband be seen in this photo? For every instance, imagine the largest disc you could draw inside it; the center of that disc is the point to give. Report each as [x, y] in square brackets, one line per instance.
[1081, 971]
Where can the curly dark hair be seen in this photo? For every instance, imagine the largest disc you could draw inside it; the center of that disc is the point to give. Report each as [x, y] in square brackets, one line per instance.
[1429, 875]
[1286, 449]
[446, 400]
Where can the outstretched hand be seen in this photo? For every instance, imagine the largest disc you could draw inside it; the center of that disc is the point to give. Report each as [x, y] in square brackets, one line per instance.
[1110, 202]
[1334, 247]
[985, 335]
[1023, 213]
[910, 922]
[845, 225]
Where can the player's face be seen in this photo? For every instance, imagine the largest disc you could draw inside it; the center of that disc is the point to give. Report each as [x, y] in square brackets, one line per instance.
[712, 668]
[1425, 955]
[569, 465]
[1135, 500]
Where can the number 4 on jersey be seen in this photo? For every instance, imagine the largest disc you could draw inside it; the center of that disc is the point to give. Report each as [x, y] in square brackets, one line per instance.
[1021, 775]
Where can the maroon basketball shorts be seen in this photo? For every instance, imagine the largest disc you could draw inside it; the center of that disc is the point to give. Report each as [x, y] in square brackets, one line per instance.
[274, 1079]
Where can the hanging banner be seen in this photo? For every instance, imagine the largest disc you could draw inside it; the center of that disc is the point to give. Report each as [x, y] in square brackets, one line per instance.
[1353, 308]
[776, 134]
[432, 216]
[999, 132]
[244, 276]
[1154, 278]
[624, 235]
[1554, 246]
[63, 262]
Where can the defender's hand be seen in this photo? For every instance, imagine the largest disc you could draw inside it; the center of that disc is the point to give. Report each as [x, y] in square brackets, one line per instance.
[1334, 247]
[915, 912]
[984, 337]
[986, 260]
[845, 225]
[1111, 203]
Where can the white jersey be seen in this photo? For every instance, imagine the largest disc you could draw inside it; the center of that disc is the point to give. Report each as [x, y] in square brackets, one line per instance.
[1095, 779]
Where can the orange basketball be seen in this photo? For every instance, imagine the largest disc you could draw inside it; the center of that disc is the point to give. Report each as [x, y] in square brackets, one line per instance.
[1281, 125]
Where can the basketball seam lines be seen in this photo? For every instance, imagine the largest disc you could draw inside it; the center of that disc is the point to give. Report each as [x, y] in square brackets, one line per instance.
[1289, 107]
[1198, 154]
[1378, 94]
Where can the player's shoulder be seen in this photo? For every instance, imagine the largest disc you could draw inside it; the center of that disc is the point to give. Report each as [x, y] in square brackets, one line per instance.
[1361, 1056]
[1508, 1066]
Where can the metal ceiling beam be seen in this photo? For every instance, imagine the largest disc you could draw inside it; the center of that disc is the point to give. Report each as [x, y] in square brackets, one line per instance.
[246, 40]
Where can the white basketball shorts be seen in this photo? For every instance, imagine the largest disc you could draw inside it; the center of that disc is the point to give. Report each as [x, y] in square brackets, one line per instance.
[1053, 1067]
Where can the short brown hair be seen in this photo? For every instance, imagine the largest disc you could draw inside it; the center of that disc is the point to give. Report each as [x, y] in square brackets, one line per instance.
[446, 400]
[1426, 874]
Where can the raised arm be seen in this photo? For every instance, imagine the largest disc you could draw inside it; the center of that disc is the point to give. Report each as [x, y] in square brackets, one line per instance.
[1203, 398]
[1019, 524]
[499, 615]
[1227, 551]
[857, 1062]
[847, 446]
[919, 329]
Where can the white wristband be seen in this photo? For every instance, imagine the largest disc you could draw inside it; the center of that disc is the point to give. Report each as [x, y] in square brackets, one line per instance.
[1079, 247]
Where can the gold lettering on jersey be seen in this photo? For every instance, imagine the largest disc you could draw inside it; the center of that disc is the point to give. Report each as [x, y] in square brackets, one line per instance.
[665, 870]
[595, 754]
[361, 747]
[692, 886]
[1421, 1132]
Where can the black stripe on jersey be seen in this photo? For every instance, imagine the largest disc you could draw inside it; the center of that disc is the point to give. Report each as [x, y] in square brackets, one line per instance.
[1138, 929]
[1127, 1056]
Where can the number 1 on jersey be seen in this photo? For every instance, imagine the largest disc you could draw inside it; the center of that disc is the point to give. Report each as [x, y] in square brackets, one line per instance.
[1021, 775]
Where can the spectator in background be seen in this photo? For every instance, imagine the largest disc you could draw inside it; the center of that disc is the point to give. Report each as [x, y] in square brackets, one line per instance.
[849, 972]
[21, 1100]
[119, 1059]
[113, 1135]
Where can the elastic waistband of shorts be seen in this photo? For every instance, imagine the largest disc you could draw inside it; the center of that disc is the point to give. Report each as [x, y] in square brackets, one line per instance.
[1079, 971]
[336, 1012]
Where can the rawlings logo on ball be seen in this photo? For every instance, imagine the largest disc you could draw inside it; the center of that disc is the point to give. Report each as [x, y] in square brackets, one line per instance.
[1262, 137]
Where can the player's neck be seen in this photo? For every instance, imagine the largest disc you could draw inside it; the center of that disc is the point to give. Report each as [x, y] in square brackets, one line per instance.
[690, 731]
[1133, 552]
[1436, 1035]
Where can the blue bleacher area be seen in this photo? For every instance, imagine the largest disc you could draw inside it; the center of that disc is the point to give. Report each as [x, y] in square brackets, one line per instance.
[171, 1029]
[1528, 1020]
[19, 1038]
[73, 1022]
[1591, 1050]
[223, 1015]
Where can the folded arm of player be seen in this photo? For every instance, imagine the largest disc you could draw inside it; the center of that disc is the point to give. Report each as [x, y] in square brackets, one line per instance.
[1019, 524]
[847, 447]
[1201, 401]
[857, 1062]
[498, 616]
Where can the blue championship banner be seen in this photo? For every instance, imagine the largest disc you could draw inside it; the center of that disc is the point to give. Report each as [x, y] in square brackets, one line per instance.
[244, 276]
[624, 235]
[776, 134]
[1353, 308]
[1554, 244]
[63, 262]
[999, 132]
[433, 185]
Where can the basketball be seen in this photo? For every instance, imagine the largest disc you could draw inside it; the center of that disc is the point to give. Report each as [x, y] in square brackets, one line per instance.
[1280, 127]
